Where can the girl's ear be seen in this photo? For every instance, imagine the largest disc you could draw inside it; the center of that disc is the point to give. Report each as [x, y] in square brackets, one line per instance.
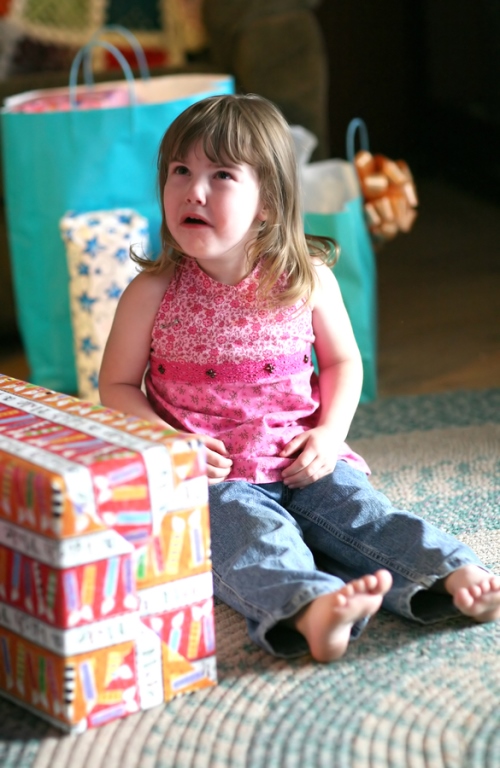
[262, 214]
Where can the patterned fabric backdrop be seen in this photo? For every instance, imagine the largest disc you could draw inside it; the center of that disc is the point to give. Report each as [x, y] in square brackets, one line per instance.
[167, 29]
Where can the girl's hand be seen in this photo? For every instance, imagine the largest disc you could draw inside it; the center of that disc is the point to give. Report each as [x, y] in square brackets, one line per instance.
[317, 451]
[218, 462]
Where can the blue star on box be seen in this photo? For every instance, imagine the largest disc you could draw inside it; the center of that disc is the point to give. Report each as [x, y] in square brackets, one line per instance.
[86, 302]
[93, 380]
[92, 247]
[87, 346]
[121, 255]
[83, 269]
[114, 291]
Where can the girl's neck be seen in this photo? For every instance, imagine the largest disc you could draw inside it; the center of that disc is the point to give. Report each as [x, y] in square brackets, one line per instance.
[226, 273]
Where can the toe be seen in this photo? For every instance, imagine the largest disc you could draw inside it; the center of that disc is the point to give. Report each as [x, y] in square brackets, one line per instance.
[340, 599]
[371, 583]
[464, 598]
[348, 589]
[384, 580]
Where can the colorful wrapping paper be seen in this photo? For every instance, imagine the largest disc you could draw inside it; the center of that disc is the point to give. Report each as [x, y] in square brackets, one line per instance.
[105, 577]
[99, 265]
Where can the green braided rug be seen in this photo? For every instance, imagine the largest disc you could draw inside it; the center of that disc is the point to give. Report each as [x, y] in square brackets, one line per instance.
[403, 696]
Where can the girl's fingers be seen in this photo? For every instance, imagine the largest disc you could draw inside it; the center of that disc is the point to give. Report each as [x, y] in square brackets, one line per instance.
[303, 463]
[293, 446]
[310, 474]
[216, 460]
[217, 474]
[215, 480]
[212, 443]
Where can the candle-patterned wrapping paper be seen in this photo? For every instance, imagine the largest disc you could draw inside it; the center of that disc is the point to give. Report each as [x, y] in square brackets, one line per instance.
[100, 268]
[106, 602]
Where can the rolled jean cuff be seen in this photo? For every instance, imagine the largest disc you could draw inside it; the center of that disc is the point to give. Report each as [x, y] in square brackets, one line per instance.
[427, 604]
[277, 637]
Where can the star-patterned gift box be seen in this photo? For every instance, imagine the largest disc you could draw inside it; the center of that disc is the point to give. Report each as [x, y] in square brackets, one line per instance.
[98, 253]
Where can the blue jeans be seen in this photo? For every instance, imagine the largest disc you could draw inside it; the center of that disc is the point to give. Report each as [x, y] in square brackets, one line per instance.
[275, 549]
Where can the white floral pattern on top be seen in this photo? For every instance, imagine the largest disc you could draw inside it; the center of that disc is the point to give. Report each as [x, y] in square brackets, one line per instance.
[210, 322]
[225, 366]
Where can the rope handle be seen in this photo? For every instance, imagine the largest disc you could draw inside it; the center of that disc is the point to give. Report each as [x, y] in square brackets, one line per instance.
[85, 52]
[134, 43]
[357, 125]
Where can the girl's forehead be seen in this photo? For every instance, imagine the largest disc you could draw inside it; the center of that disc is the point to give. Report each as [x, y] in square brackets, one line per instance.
[217, 140]
[183, 150]
[198, 151]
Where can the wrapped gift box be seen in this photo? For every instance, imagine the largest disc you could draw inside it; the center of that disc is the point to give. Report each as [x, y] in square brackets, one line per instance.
[105, 577]
[99, 266]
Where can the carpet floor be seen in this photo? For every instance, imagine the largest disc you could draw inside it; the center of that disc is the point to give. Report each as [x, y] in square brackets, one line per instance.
[403, 695]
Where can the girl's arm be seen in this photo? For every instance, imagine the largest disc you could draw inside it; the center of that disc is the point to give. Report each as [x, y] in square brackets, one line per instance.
[126, 357]
[339, 359]
[340, 381]
[127, 349]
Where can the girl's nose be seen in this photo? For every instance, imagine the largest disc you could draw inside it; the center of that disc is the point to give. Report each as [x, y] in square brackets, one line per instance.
[196, 192]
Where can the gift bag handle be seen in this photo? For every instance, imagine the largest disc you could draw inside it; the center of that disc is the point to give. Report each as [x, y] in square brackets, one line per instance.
[84, 52]
[88, 75]
[356, 125]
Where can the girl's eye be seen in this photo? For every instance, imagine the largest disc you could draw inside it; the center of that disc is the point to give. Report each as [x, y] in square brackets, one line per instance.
[223, 175]
[180, 170]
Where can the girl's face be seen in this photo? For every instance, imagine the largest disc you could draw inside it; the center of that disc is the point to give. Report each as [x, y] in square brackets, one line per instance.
[213, 212]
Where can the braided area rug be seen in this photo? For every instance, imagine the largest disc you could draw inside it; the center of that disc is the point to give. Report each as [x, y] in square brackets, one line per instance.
[403, 695]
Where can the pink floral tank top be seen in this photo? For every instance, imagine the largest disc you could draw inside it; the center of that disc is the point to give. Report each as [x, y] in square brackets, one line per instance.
[221, 366]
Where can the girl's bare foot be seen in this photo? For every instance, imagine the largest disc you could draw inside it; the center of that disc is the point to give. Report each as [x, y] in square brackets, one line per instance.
[475, 592]
[326, 622]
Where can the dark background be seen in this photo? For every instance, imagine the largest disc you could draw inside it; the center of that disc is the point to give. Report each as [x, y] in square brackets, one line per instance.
[425, 77]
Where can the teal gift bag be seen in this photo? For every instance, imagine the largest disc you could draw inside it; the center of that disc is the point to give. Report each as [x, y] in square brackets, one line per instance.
[81, 158]
[333, 207]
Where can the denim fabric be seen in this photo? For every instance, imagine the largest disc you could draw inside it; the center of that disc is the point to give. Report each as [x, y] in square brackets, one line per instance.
[275, 549]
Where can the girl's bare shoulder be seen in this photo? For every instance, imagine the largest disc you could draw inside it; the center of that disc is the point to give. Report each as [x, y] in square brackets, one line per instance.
[326, 284]
[147, 287]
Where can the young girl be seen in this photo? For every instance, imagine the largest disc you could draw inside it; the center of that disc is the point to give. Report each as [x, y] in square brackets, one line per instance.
[223, 323]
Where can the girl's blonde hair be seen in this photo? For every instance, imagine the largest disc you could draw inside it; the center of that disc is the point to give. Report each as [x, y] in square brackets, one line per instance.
[249, 129]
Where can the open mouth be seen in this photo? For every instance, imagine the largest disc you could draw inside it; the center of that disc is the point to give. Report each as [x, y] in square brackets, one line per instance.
[193, 220]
